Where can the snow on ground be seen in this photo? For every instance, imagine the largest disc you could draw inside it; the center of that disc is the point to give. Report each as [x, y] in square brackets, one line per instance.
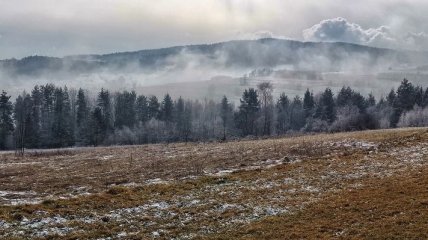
[231, 203]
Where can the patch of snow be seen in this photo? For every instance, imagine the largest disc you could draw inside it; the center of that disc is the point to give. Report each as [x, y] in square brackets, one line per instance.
[311, 189]
[156, 181]
[107, 157]
[160, 205]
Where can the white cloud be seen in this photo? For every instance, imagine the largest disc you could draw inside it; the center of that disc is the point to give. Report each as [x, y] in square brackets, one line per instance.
[101, 26]
[258, 35]
[341, 30]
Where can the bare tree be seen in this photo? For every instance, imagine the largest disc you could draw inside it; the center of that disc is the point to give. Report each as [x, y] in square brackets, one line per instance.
[266, 99]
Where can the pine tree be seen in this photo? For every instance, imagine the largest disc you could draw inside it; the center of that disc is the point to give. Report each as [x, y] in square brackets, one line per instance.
[22, 116]
[30, 130]
[344, 97]
[308, 103]
[225, 114]
[371, 101]
[187, 122]
[104, 104]
[359, 101]
[36, 121]
[248, 112]
[419, 96]
[326, 107]
[96, 127]
[425, 98]
[166, 109]
[125, 109]
[62, 125]
[405, 96]
[153, 107]
[142, 109]
[82, 118]
[6, 121]
[297, 114]
[283, 114]
[180, 118]
[390, 99]
[82, 109]
[348, 97]
[47, 115]
[404, 101]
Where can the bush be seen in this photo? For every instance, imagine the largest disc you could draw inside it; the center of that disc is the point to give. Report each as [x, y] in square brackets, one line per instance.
[124, 136]
[418, 117]
[316, 125]
[347, 119]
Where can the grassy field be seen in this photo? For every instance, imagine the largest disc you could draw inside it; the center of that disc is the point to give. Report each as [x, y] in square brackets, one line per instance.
[362, 185]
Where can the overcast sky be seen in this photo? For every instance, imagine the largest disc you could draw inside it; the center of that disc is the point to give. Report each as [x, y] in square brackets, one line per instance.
[65, 27]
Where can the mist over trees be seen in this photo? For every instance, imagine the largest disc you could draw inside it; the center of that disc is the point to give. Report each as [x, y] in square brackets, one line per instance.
[55, 117]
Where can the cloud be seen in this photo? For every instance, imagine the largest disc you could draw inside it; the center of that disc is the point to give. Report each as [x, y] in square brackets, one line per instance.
[264, 34]
[341, 30]
[258, 35]
[58, 28]
[417, 41]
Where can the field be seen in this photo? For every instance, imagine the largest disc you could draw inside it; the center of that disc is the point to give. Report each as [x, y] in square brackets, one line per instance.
[361, 185]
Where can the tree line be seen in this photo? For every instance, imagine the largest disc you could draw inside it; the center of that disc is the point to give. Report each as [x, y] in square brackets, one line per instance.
[55, 117]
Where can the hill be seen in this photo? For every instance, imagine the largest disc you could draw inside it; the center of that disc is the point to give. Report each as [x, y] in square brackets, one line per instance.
[248, 54]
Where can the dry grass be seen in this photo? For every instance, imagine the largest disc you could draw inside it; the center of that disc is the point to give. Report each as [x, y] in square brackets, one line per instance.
[391, 208]
[274, 188]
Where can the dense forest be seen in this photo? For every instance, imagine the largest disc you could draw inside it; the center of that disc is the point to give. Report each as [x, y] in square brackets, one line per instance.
[55, 117]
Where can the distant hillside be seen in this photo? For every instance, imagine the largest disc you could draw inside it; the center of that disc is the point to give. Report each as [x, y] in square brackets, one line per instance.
[249, 54]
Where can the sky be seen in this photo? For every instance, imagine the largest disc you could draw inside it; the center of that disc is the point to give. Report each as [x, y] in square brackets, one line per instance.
[69, 27]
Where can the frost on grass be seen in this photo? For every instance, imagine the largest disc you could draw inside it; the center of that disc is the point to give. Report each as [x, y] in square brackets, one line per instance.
[224, 197]
[19, 197]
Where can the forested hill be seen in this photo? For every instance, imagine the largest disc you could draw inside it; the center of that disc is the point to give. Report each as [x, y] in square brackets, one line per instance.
[246, 54]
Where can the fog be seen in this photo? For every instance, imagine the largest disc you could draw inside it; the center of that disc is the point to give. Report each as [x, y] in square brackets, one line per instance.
[74, 32]
[211, 71]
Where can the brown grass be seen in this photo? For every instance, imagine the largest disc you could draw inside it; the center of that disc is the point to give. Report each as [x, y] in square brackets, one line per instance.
[390, 208]
[316, 180]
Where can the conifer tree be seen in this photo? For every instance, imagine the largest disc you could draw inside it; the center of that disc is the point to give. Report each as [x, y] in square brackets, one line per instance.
[36, 117]
[6, 121]
[22, 117]
[125, 109]
[371, 101]
[225, 114]
[297, 114]
[153, 107]
[166, 109]
[308, 103]
[248, 112]
[82, 118]
[326, 107]
[47, 114]
[283, 114]
[142, 109]
[62, 126]
[104, 104]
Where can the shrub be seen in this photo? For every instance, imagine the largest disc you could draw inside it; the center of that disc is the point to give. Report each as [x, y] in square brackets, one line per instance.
[418, 117]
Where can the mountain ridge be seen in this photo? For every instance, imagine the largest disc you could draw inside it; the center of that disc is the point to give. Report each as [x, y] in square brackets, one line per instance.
[238, 54]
